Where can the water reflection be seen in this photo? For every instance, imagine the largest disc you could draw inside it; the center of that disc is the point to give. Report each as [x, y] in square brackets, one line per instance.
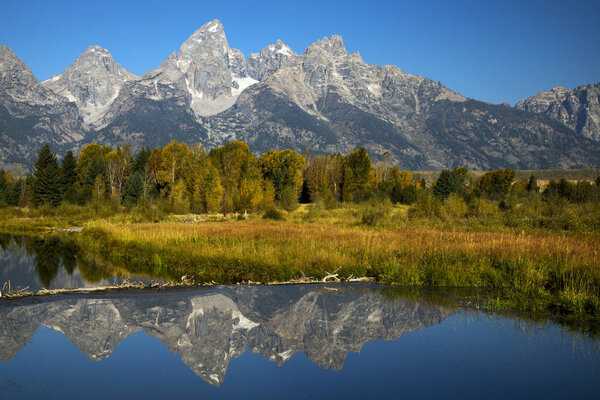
[51, 262]
[208, 328]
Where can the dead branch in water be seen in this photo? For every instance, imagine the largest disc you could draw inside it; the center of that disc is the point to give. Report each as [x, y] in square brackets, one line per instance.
[185, 282]
[333, 275]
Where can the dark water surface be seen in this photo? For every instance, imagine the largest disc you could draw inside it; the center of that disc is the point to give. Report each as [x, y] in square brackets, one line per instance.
[51, 262]
[343, 341]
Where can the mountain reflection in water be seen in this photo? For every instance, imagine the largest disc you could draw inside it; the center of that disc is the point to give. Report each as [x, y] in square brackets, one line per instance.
[209, 327]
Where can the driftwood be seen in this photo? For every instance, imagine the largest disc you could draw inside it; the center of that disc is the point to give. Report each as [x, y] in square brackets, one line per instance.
[7, 292]
[332, 275]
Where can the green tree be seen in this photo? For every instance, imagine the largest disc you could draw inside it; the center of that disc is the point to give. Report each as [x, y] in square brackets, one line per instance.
[357, 175]
[446, 184]
[14, 192]
[288, 200]
[324, 176]
[69, 177]
[133, 189]
[532, 185]
[5, 184]
[175, 162]
[117, 168]
[495, 184]
[90, 154]
[48, 185]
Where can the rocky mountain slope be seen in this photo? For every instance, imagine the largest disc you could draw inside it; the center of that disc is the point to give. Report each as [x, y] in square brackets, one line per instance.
[31, 115]
[578, 108]
[92, 82]
[208, 328]
[323, 100]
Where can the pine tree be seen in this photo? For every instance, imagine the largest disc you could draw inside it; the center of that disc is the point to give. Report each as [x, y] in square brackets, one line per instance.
[69, 176]
[4, 184]
[48, 186]
[134, 186]
[446, 184]
[532, 185]
[69, 169]
[13, 193]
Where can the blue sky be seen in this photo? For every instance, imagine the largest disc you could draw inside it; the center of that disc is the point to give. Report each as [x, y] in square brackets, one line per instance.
[489, 50]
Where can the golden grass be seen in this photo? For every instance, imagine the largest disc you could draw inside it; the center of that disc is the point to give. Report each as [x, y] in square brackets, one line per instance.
[537, 272]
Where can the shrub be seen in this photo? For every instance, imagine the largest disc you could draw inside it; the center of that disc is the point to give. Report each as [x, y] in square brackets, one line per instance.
[273, 213]
[483, 208]
[426, 206]
[288, 199]
[376, 212]
[455, 206]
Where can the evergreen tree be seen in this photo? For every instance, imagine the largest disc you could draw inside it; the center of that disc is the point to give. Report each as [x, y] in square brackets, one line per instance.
[141, 160]
[4, 184]
[69, 176]
[48, 187]
[532, 185]
[13, 193]
[446, 184]
[134, 186]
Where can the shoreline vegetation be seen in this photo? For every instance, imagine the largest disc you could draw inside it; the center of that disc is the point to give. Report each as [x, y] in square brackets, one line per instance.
[229, 217]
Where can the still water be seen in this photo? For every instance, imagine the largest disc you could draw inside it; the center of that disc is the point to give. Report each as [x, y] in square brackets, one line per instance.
[52, 262]
[344, 341]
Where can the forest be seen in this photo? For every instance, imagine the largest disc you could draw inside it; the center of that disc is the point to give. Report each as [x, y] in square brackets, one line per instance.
[179, 179]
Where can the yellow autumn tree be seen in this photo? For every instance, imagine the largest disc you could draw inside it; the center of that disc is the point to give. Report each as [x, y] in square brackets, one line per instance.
[283, 168]
[207, 192]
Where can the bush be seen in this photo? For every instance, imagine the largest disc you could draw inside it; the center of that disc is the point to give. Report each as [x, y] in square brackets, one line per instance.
[312, 214]
[327, 201]
[288, 199]
[426, 206]
[455, 206]
[376, 213]
[273, 213]
[483, 208]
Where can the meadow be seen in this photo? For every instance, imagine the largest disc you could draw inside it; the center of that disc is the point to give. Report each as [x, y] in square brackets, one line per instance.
[525, 269]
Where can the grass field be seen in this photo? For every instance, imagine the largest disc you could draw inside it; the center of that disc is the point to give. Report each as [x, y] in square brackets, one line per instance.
[526, 269]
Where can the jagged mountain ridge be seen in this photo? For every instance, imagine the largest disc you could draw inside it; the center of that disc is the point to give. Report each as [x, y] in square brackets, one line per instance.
[92, 82]
[577, 108]
[30, 114]
[324, 100]
[208, 328]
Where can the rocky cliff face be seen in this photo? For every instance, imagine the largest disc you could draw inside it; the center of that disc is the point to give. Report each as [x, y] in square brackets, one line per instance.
[261, 65]
[92, 82]
[578, 108]
[30, 114]
[209, 328]
[324, 100]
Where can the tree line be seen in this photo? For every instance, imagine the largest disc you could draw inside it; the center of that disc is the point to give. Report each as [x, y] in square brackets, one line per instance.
[231, 178]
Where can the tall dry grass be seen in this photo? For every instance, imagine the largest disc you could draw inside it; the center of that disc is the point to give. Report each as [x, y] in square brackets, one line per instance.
[535, 272]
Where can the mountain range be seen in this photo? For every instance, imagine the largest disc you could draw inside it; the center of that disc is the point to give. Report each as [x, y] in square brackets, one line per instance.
[208, 328]
[323, 100]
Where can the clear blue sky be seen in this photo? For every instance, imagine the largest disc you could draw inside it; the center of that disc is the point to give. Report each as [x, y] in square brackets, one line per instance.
[489, 50]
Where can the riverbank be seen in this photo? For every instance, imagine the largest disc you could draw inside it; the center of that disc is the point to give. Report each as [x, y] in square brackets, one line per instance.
[533, 271]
